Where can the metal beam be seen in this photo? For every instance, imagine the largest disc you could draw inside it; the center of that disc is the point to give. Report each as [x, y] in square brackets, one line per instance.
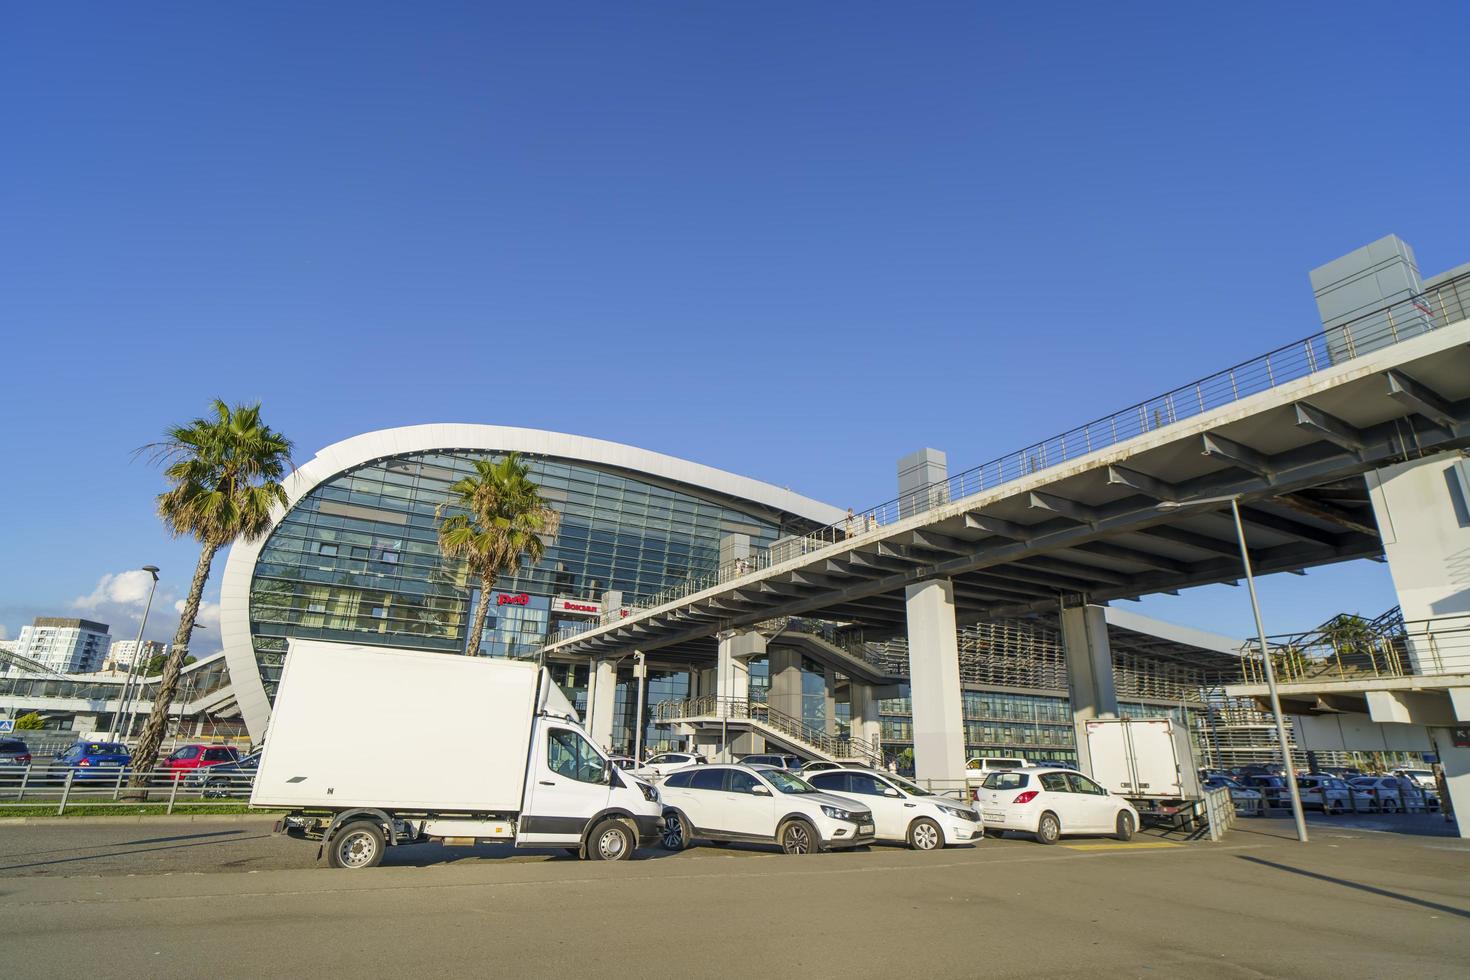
[1232, 452]
[1420, 398]
[1270, 522]
[999, 527]
[1069, 509]
[1142, 483]
[1325, 512]
[1144, 558]
[1329, 427]
[943, 543]
[1190, 539]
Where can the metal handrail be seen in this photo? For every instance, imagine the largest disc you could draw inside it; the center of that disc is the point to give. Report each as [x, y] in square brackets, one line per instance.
[1419, 648]
[714, 706]
[1446, 303]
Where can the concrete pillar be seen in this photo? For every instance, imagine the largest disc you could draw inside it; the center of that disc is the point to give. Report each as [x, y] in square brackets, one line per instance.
[863, 712]
[934, 681]
[1456, 762]
[602, 698]
[1423, 512]
[1089, 672]
[1383, 274]
[921, 477]
[735, 555]
[784, 694]
[732, 668]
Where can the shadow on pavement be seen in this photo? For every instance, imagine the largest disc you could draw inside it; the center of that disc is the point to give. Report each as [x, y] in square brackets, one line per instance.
[126, 853]
[1371, 889]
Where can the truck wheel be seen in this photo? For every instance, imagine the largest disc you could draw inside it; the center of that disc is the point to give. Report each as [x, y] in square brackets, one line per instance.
[1048, 829]
[356, 846]
[1125, 826]
[797, 837]
[611, 841]
[925, 835]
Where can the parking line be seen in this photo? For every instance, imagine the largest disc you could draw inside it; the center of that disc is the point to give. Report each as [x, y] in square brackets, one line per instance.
[1120, 847]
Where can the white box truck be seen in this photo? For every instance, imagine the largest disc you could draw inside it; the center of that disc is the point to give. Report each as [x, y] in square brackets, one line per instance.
[1147, 761]
[373, 747]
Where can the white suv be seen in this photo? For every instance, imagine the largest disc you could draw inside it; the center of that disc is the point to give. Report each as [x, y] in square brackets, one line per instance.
[758, 805]
[664, 763]
[902, 811]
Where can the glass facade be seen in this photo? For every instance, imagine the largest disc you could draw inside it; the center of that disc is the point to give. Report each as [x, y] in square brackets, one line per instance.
[357, 559]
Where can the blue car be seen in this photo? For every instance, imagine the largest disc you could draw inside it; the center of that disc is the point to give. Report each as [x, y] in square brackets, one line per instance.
[92, 760]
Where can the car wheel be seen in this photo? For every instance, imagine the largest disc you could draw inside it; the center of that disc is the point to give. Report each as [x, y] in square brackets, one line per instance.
[1124, 831]
[1048, 828]
[611, 841]
[676, 832]
[216, 789]
[1390, 806]
[797, 837]
[925, 835]
[357, 846]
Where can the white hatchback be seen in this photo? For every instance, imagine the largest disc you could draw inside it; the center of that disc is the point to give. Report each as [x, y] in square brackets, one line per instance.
[902, 811]
[664, 763]
[761, 806]
[1050, 803]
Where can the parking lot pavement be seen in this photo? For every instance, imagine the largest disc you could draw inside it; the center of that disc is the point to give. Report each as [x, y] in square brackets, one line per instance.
[1352, 903]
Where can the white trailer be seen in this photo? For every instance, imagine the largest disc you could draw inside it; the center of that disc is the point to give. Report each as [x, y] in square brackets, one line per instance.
[1147, 761]
[372, 747]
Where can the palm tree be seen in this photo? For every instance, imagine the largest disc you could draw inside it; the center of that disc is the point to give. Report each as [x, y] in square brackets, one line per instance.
[502, 520]
[224, 474]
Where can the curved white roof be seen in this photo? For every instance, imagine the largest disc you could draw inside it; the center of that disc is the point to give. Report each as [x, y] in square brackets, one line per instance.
[359, 450]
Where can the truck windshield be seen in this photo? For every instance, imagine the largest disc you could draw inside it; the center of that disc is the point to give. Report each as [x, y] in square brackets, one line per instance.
[570, 755]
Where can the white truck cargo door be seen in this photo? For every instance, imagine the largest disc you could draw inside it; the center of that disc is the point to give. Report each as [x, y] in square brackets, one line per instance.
[567, 784]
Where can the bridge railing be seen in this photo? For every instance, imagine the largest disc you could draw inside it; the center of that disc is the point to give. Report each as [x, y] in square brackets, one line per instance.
[1446, 303]
[742, 709]
[1359, 652]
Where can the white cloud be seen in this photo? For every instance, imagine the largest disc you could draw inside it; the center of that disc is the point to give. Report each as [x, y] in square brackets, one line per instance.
[128, 588]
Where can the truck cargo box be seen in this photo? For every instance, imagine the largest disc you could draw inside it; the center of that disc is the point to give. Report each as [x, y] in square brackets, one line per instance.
[404, 729]
[1143, 758]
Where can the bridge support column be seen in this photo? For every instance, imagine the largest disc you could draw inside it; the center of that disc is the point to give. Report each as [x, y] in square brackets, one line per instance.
[1423, 512]
[934, 681]
[862, 711]
[785, 672]
[602, 699]
[829, 706]
[1089, 672]
[1456, 762]
[732, 668]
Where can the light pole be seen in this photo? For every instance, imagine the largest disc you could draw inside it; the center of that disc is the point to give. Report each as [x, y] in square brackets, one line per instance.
[129, 688]
[1250, 582]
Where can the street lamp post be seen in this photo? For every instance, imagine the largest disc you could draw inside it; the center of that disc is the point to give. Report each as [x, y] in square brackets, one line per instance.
[1250, 581]
[129, 688]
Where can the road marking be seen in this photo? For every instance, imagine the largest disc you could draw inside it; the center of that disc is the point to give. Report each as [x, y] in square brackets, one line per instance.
[1119, 847]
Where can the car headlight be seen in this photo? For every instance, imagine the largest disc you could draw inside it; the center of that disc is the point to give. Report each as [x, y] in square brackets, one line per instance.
[837, 813]
[956, 811]
[649, 792]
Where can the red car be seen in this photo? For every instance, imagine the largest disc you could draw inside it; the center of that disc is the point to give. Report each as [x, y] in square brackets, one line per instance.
[187, 758]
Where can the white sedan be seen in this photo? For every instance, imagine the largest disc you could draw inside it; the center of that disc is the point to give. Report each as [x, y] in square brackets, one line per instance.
[1050, 802]
[902, 811]
[661, 765]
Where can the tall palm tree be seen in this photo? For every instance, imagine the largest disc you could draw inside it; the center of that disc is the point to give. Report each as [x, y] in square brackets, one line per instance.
[224, 476]
[501, 521]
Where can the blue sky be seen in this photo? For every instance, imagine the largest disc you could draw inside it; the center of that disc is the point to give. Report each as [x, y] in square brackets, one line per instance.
[795, 241]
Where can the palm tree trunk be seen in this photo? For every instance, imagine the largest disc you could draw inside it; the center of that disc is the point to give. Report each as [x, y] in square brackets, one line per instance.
[478, 629]
[146, 757]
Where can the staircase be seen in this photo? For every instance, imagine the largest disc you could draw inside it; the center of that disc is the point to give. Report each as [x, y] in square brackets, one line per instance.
[775, 726]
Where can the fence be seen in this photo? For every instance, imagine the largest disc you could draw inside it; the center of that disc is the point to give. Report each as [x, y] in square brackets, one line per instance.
[743, 709]
[1356, 651]
[71, 788]
[1447, 303]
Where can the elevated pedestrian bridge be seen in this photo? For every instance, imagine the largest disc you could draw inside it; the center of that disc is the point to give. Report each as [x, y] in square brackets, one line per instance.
[1129, 505]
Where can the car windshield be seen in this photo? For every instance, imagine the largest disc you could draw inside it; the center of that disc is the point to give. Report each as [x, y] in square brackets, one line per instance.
[786, 782]
[907, 786]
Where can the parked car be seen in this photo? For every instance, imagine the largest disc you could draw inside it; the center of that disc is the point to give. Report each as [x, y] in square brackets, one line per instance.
[902, 812]
[189, 757]
[1424, 777]
[624, 762]
[91, 760]
[225, 779]
[1326, 793]
[819, 766]
[14, 752]
[765, 805]
[983, 765]
[1050, 803]
[788, 762]
[1385, 794]
[1273, 788]
[664, 763]
[1248, 801]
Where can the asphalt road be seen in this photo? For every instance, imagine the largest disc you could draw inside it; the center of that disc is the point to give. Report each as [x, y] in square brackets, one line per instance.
[169, 898]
